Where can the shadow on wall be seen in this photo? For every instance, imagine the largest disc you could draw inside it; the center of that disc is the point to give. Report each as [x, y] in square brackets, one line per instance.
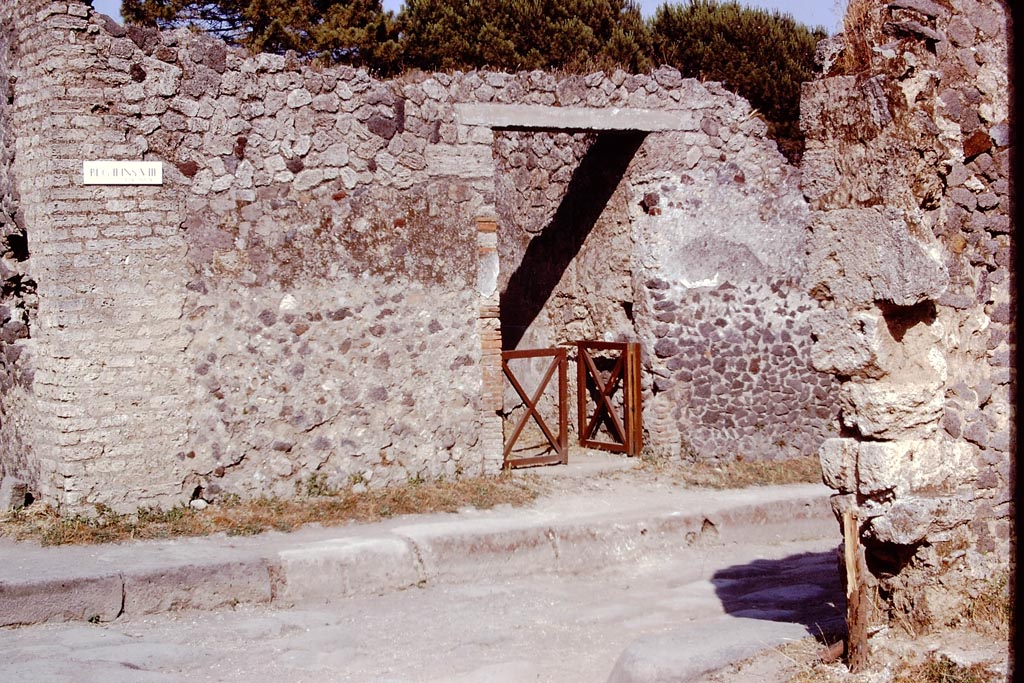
[800, 589]
[550, 253]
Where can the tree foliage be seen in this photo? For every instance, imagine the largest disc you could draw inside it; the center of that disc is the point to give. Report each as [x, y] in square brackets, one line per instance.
[350, 31]
[764, 56]
[573, 35]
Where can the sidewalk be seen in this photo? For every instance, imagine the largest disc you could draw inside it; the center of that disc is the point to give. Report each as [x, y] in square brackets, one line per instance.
[600, 521]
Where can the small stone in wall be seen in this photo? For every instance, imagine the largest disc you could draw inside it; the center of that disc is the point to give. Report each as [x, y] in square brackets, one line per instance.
[665, 348]
[144, 37]
[977, 143]
[650, 204]
[657, 283]
[188, 168]
[382, 126]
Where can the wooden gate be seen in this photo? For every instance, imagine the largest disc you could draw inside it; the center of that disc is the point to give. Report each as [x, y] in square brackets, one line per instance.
[625, 430]
[558, 445]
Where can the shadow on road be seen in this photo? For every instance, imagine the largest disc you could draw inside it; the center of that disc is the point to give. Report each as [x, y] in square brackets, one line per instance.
[801, 589]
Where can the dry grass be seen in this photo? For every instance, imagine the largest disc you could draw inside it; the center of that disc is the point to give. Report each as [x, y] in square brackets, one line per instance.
[939, 669]
[252, 517]
[738, 472]
[805, 665]
[799, 661]
[807, 662]
[808, 668]
[317, 504]
[990, 611]
[857, 27]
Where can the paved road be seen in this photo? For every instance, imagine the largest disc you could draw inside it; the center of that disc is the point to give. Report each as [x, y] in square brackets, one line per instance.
[687, 611]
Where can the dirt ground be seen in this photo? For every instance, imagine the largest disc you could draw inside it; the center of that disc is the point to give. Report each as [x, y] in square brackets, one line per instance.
[953, 656]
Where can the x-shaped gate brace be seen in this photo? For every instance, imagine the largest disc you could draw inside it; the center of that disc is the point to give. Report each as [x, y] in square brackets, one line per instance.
[559, 444]
[626, 431]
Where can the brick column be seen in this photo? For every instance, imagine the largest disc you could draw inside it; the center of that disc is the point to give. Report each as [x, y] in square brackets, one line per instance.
[110, 385]
[489, 326]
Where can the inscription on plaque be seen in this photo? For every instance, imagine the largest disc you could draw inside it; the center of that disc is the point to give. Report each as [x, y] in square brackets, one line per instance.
[122, 172]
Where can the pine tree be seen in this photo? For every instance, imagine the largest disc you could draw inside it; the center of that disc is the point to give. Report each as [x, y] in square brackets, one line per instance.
[514, 35]
[764, 56]
[351, 31]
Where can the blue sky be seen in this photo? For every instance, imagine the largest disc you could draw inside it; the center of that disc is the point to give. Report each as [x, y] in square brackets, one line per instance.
[811, 12]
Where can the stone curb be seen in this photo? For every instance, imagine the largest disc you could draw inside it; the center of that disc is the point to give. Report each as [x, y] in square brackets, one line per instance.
[672, 657]
[292, 569]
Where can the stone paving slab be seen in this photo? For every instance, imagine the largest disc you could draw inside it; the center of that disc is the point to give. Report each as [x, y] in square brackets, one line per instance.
[553, 627]
[765, 603]
[564, 533]
[684, 655]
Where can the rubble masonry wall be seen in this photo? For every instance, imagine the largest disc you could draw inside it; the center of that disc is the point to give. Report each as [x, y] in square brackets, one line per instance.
[312, 296]
[907, 171]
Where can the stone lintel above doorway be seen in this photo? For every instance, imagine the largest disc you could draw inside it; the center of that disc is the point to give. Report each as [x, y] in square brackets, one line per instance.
[542, 117]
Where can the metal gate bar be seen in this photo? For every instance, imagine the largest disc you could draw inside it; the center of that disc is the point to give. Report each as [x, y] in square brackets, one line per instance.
[560, 443]
[627, 431]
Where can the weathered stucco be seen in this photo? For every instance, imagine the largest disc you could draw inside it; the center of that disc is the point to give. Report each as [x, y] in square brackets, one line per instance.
[908, 174]
[316, 290]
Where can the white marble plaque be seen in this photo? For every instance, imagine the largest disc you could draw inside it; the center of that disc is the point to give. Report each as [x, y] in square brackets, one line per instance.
[106, 172]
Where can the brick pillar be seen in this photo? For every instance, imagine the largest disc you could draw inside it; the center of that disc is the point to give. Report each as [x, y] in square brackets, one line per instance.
[489, 327]
[110, 386]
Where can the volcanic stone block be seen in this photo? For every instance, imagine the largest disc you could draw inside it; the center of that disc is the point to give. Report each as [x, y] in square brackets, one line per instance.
[911, 520]
[867, 255]
[838, 458]
[911, 466]
[891, 408]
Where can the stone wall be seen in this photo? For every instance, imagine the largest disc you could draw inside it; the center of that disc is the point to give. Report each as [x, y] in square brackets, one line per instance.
[687, 241]
[724, 310]
[908, 173]
[297, 299]
[17, 299]
[314, 290]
